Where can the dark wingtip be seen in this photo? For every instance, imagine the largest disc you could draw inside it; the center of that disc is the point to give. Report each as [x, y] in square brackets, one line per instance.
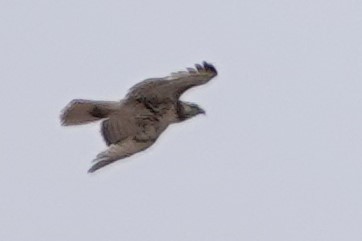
[198, 67]
[100, 164]
[94, 168]
[209, 67]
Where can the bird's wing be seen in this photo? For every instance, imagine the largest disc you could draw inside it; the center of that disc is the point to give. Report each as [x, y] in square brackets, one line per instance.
[127, 134]
[80, 111]
[116, 128]
[174, 85]
[119, 151]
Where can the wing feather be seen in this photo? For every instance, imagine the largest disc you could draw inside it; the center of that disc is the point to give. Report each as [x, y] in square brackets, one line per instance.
[119, 151]
[114, 130]
[174, 85]
[123, 124]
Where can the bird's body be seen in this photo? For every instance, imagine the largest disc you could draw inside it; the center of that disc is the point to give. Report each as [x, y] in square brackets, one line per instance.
[134, 123]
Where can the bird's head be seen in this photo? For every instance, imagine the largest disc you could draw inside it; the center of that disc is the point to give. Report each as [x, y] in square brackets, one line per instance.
[187, 110]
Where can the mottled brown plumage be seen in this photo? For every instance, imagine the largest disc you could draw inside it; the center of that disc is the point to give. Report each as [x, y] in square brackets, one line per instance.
[134, 123]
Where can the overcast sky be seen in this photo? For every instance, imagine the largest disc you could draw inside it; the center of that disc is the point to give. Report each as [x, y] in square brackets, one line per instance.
[277, 157]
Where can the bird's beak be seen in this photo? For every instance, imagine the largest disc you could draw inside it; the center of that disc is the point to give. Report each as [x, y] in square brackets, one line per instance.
[202, 111]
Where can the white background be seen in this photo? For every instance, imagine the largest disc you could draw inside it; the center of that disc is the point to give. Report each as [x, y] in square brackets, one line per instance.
[278, 156]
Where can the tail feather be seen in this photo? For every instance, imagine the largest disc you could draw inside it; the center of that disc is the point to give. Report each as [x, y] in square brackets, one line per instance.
[79, 111]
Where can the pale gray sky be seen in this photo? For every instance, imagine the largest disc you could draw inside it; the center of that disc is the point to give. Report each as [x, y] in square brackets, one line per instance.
[278, 156]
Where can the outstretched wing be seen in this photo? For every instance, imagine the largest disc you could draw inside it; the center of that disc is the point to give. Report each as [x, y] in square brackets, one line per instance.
[119, 151]
[125, 137]
[175, 85]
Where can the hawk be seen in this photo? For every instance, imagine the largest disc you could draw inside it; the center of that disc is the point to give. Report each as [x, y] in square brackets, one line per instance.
[134, 123]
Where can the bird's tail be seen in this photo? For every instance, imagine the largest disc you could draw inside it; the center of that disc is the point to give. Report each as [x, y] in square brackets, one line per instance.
[79, 112]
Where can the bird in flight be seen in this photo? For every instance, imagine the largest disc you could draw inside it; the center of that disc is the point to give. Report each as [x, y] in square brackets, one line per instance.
[134, 123]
